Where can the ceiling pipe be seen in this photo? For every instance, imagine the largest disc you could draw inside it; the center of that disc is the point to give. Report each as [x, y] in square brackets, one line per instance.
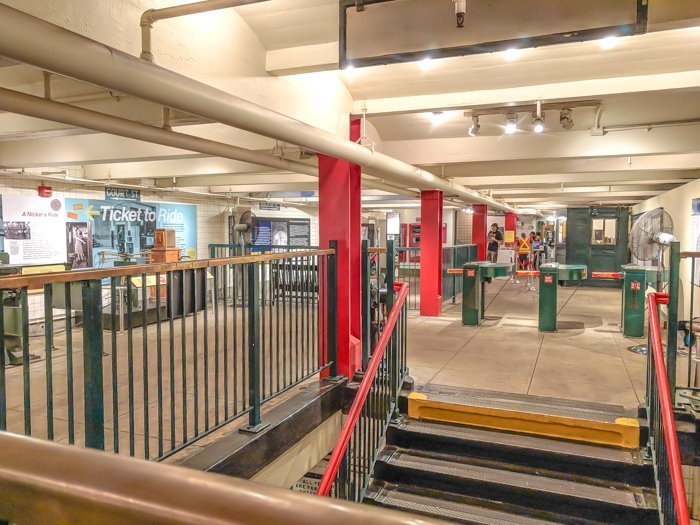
[74, 56]
[36, 107]
[150, 16]
[87, 183]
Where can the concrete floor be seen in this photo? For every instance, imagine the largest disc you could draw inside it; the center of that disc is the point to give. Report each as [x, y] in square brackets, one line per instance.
[586, 360]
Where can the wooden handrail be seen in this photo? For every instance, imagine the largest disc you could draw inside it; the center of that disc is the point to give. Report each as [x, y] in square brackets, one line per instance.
[690, 255]
[44, 482]
[20, 281]
[669, 425]
[376, 249]
[324, 488]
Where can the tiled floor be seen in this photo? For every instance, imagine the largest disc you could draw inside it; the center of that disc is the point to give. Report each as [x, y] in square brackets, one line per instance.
[586, 360]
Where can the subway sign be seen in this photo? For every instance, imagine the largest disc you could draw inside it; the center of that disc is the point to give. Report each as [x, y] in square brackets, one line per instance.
[122, 194]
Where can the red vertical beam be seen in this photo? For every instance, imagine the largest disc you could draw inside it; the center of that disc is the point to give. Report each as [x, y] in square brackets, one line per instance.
[431, 253]
[511, 225]
[479, 229]
[339, 217]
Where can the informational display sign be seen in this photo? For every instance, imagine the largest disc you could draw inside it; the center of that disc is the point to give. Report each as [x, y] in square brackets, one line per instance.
[393, 223]
[119, 231]
[274, 231]
[122, 194]
[34, 229]
[509, 236]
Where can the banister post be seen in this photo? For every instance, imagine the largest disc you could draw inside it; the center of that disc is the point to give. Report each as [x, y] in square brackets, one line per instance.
[366, 300]
[332, 309]
[672, 333]
[255, 423]
[92, 365]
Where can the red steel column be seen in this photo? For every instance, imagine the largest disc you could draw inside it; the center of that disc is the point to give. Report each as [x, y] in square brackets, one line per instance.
[431, 253]
[339, 218]
[479, 229]
[511, 226]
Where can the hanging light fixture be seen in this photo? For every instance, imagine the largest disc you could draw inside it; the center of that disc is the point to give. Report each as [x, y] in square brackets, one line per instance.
[475, 128]
[538, 119]
[511, 123]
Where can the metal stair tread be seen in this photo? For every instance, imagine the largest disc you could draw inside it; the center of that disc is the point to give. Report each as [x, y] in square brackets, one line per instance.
[515, 480]
[445, 509]
[526, 403]
[523, 442]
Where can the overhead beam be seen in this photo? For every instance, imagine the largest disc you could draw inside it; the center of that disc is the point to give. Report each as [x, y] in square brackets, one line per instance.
[624, 164]
[262, 188]
[234, 179]
[554, 190]
[576, 179]
[591, 88]
[302, 59]
[580, 144]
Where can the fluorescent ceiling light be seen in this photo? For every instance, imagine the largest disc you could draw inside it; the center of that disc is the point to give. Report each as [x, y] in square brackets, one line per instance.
[426, 64]
[512, 54]
[608, 42]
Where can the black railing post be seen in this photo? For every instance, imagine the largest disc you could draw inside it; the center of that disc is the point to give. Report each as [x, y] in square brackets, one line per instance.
[332, 309]
[366, 301]
[255, 423]
[92, 365]
[390, 272]
[672, 342]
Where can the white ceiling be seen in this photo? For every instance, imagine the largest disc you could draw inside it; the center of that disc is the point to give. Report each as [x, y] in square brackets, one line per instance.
[642, 79]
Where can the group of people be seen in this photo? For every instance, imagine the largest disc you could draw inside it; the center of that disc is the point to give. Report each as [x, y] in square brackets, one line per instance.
[530, 248]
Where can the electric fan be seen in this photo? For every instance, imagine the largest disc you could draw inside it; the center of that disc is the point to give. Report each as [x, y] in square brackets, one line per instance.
[650, 235]
[244, 228]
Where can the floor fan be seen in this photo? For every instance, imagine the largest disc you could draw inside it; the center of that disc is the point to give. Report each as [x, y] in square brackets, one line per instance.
[650, 236]
[244, 229]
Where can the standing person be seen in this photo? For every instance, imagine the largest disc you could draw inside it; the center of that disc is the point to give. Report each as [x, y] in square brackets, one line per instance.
[523, 251]
[537, 249]
[495, 239]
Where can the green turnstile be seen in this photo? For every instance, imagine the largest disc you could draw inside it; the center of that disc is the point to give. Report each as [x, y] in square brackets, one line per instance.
[635, 280]
[475, 275]
[551, 275]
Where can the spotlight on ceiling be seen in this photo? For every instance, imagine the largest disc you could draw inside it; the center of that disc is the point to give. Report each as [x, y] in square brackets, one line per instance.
[566, 119]
[437, 118]
[475, 127]
[608, 42]
[426, 64]
[538, 119]
[538, 124]
[469, 210]
[511, 123]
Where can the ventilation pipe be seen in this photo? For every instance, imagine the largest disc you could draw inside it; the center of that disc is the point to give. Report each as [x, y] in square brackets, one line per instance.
[66, 53]
[36, 107]
[149, 17]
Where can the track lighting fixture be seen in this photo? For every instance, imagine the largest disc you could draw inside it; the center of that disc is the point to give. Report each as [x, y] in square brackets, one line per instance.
[511, 123]
[538, 119]
[566, 119]
[538, 124]
[475, 127]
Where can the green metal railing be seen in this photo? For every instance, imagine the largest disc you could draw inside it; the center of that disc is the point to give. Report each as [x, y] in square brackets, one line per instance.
[144, 360]
[408, 271]
[455, 257]
[233, 250]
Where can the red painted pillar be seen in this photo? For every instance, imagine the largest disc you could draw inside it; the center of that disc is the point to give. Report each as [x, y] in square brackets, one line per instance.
[511, 222]
[431, 253]
[480, 228]
[339, 218]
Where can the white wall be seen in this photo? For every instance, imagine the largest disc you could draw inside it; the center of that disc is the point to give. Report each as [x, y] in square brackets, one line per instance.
[678, 203]
[412, 215]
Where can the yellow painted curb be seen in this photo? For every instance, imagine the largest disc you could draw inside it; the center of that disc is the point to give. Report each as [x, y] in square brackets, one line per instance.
[623, 433]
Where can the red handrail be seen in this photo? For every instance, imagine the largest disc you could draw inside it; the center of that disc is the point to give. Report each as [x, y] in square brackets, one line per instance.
[670, 437]
[341, 446]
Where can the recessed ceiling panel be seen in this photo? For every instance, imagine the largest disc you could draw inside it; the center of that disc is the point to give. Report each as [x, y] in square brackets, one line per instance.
[389, 31]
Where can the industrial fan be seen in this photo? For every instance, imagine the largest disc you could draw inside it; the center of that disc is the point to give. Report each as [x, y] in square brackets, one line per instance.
[650, 235]
[244, 229]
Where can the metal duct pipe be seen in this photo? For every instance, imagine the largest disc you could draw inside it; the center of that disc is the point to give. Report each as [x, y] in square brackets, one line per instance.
[71, 55]
[153, 15]
[84, 118]
[36, 107]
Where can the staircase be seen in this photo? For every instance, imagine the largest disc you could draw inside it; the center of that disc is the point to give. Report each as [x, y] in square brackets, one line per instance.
[464, 474]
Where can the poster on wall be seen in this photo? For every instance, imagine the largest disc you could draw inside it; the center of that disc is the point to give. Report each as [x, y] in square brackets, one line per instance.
[98, 233]
[273, 231]
[695, 234]
[33, 229]
[183, 219]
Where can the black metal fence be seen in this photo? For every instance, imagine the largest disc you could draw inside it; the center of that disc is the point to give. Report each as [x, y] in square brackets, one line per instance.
[455, 257]
[233, 250]
[144, 360]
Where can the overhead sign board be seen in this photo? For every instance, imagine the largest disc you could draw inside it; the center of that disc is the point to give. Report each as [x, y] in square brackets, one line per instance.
[122, 194]
[270, 206]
